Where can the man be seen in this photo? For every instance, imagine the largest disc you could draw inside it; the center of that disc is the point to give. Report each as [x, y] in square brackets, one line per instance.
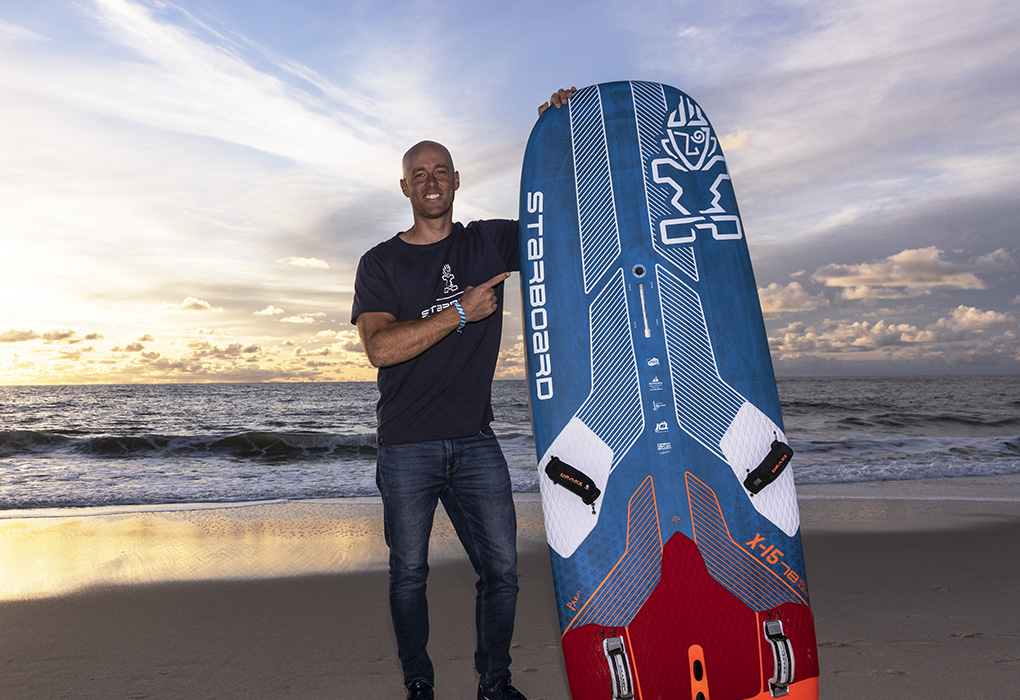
[428, 306]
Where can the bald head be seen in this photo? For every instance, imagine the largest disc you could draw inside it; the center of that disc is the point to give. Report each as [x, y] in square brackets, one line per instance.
[436, 151]
[430, 182]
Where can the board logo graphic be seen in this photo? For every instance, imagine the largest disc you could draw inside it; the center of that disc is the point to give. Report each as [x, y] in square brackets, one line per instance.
[690, 145]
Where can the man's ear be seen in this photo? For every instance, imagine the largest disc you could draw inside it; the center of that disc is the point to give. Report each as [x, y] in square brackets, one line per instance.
[403, 187]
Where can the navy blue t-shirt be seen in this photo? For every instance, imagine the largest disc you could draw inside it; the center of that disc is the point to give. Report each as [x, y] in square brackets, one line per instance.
[445, 392]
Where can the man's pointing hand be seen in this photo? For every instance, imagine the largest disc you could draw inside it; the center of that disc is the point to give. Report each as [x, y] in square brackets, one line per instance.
[480, 302]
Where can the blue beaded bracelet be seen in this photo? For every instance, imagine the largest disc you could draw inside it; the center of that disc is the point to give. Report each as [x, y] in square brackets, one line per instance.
[463, 316]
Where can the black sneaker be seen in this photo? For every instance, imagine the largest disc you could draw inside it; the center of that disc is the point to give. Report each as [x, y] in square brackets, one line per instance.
[420, 690]
[501, 691]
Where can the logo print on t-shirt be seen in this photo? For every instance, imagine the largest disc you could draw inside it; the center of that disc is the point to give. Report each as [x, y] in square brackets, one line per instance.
[448, 279]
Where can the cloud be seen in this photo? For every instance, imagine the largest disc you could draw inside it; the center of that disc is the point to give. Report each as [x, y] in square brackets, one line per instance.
[303, 319]
[57, 336]
[842, 336]
[967, 318]
[350, 341]
[777, 299]
[735, 141]
[967, 332]
[207, 350]
[309, 263]
[68, 353]
[312, 352]
[913, 272]
[191, 77]
[191, 304]
[15, 336]
[997, 260]
[964, 322]
[886, 293]
[269, 311]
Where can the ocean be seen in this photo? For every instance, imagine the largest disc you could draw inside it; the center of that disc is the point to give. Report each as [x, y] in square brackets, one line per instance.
[194, 444]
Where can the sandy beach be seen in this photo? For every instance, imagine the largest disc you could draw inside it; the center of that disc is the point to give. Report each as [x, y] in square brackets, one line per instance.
[914, 587]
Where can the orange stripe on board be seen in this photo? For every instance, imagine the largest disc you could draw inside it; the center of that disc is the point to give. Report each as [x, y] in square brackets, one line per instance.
[699, 687]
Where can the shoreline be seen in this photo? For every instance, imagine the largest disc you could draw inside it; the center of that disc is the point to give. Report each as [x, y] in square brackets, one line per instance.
[913, 587]
[1003, 488]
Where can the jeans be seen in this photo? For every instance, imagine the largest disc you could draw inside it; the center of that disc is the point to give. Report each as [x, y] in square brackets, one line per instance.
[469, 475]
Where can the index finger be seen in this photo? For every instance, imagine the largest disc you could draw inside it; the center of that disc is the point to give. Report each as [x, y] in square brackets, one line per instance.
[494, 281]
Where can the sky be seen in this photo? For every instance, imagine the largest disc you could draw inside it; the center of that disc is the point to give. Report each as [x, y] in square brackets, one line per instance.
[186, 187]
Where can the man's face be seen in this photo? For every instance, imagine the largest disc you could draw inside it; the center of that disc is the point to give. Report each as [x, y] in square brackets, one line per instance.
[429, 180]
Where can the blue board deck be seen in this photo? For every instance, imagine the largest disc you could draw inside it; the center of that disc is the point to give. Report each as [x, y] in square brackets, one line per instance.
[668, 499]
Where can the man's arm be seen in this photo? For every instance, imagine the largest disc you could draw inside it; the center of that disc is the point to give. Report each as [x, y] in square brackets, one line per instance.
[388, 341]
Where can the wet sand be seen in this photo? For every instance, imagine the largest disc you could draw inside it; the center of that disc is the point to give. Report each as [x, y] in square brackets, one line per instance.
[914, 587]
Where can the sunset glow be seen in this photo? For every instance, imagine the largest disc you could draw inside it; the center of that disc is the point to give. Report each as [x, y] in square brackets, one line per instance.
[187, 187]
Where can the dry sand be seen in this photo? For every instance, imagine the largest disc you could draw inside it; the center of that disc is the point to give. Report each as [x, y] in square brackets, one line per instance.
[914, 587]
